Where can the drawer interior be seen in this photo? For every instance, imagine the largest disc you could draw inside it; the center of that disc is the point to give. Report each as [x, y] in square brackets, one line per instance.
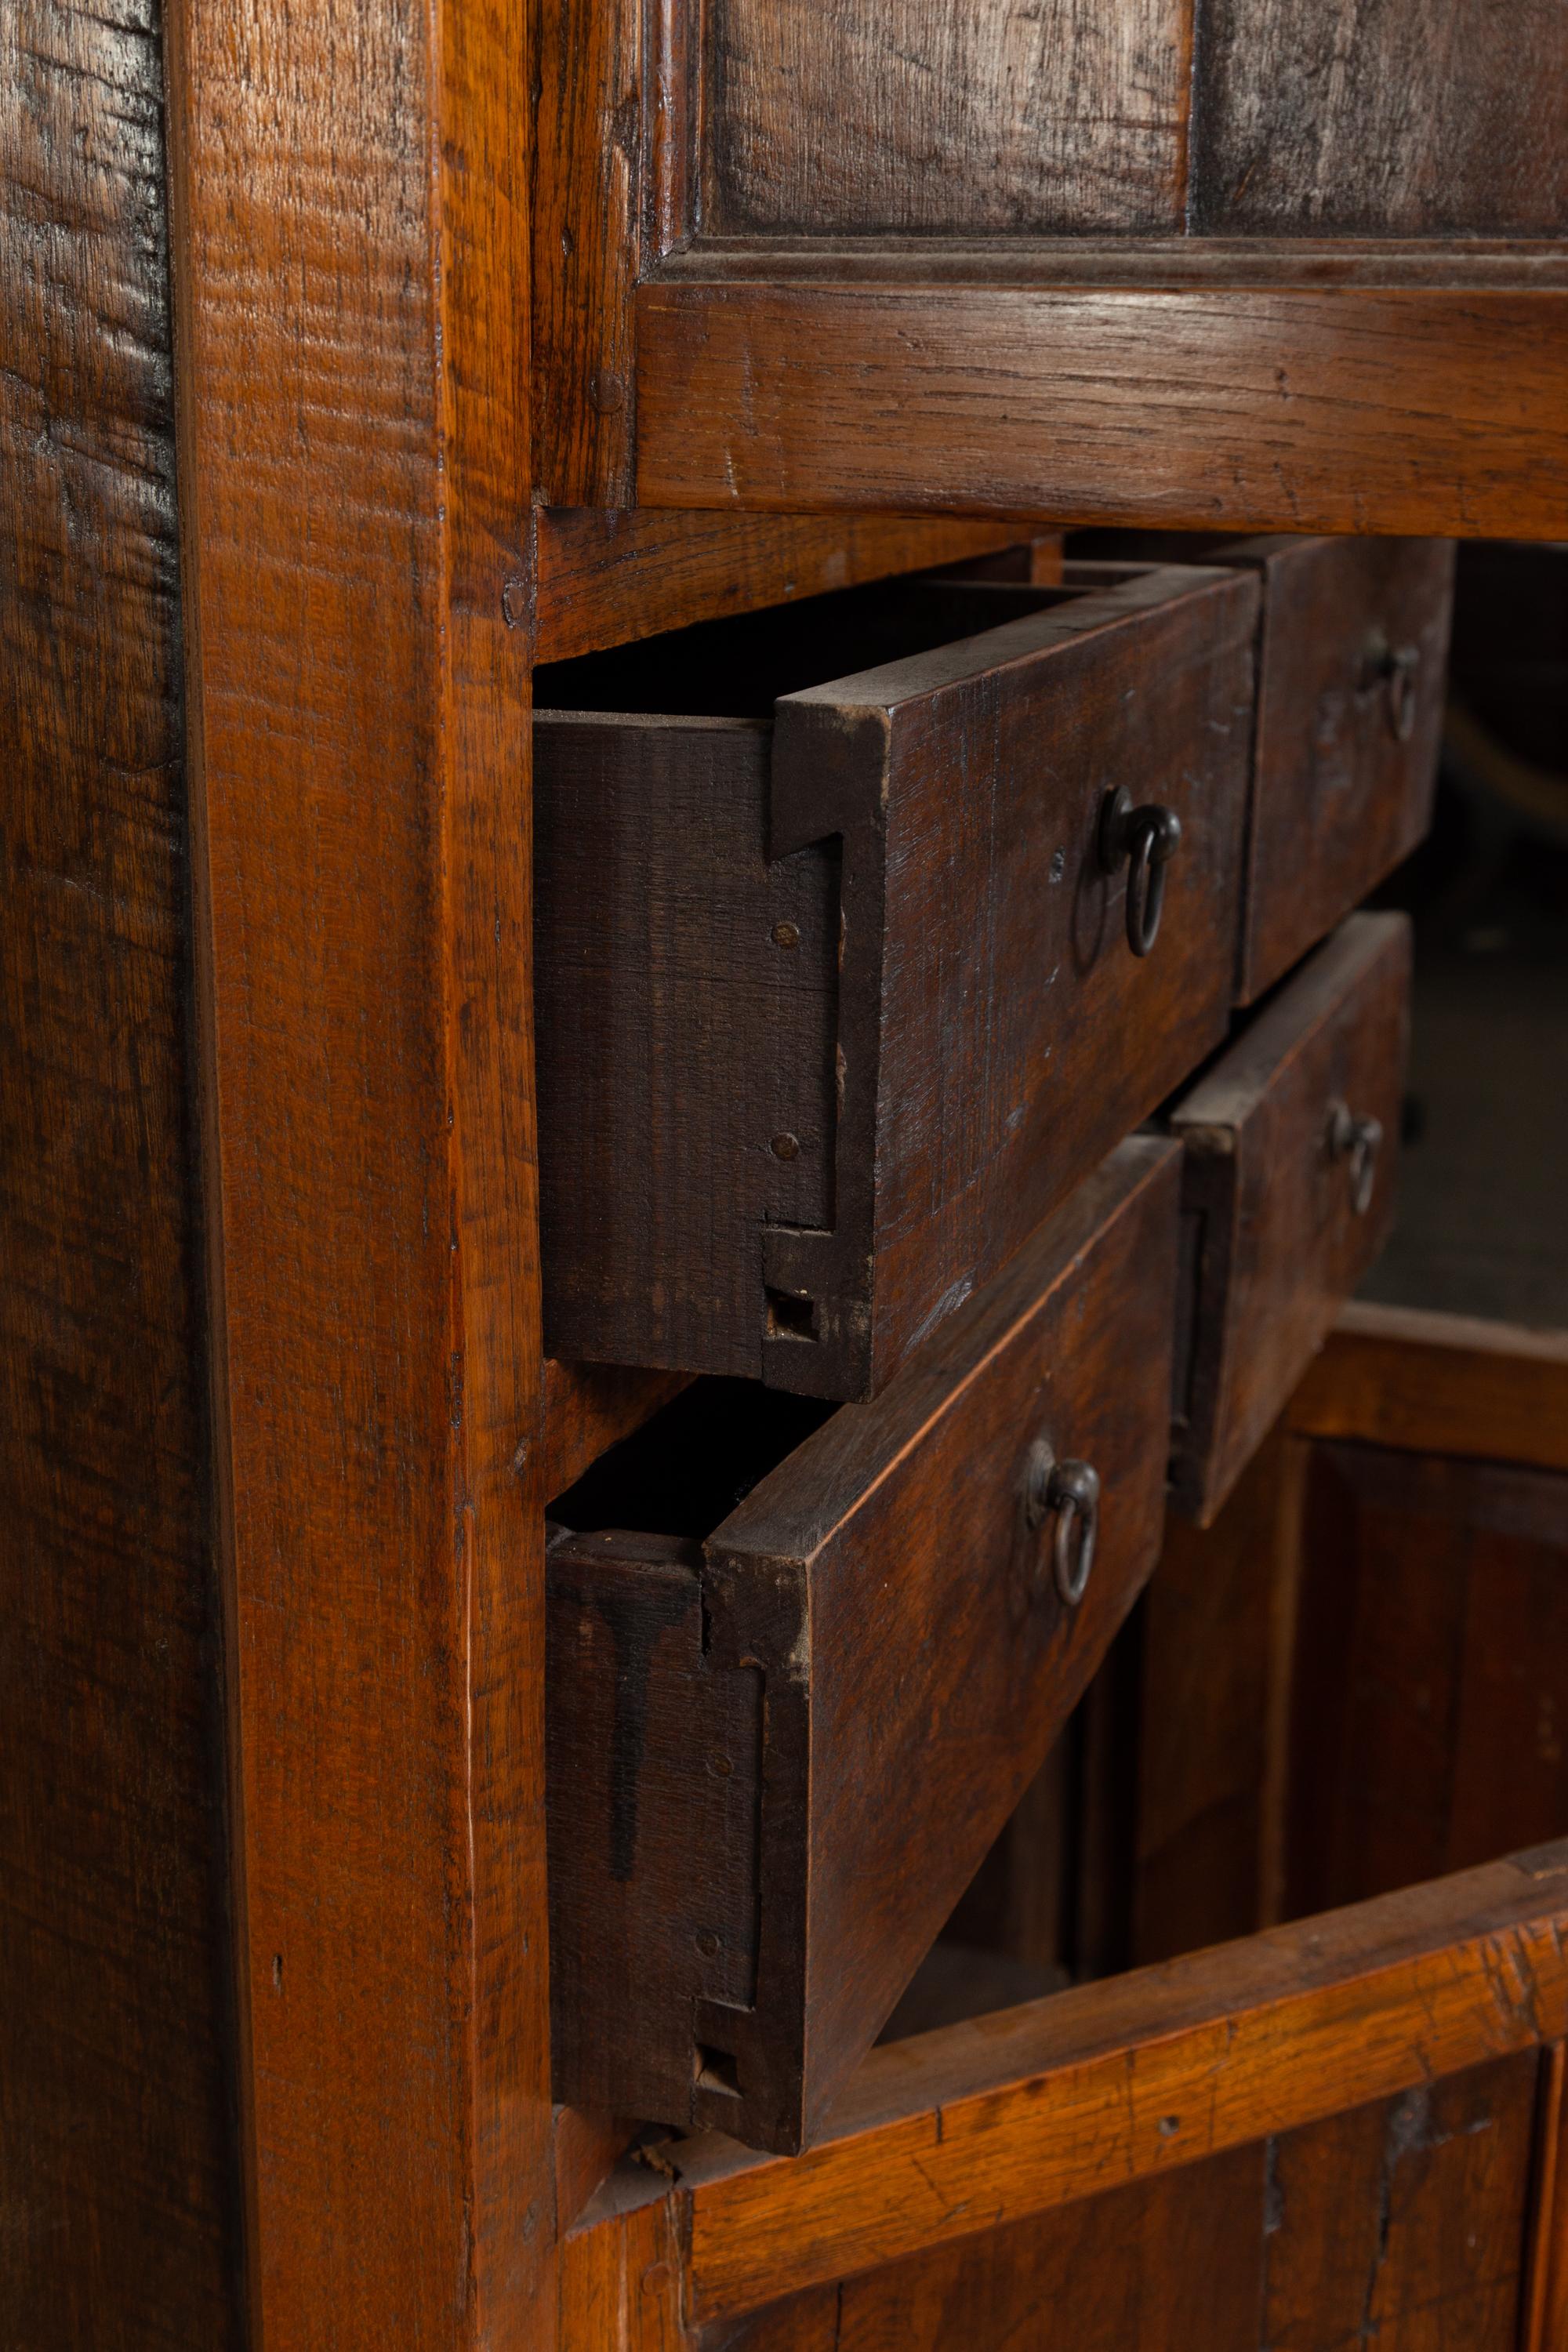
[737, 668]
[685, 1470]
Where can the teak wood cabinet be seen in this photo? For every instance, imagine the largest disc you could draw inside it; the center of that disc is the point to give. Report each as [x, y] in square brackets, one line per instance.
[363, 363]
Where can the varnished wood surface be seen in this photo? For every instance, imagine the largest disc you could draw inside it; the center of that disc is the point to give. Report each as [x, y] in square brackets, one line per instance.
[1444, 1384]
[1406, 2216]
[606, 576]
[352, 280]
[118, 2062]
[588, 1408]
[1547, 2314]
[1292, 410]
[1011, 2115]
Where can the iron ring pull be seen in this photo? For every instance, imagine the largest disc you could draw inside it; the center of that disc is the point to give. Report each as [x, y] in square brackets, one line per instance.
[1399, 666]
[1146, 839]
[1357, 1140]
[1070, 1492]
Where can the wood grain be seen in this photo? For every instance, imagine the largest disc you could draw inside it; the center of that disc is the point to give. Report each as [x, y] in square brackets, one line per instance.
[1434, 117]
[988, 2123]
[904, 116]
[116, 2047]
[1430, 1690]
[605, 577]
[1243, 406]
[1278, 1243]
[749, 1850]
[1445, 1384]
[588, 1408]
[1547, 2314]
[352, 277]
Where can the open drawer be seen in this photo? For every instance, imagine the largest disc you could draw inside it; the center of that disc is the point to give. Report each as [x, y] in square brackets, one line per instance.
[1291, 1141]
[1348, 2128]
[837, 992]
[788, 1714]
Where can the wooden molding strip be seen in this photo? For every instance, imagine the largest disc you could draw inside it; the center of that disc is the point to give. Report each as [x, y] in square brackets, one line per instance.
[1295, 408]
[1008, 2116]
[1510, 265]
[1448, 1384]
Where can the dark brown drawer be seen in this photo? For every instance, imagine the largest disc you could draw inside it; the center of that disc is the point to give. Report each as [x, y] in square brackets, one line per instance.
[785, 1729]
[1291, 1143]
[1350, 716]
[835, 998]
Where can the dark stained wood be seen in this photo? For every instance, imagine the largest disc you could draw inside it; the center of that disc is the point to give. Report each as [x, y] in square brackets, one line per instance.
[900, 119]
[1243, 405]
[587, 2148]
[1410, 121]
[957, 1030]
[1547, 2314]
[989, 2123]
[605, 577]
[750, 1846]
[118, 2058]
[1276, 1240]
[351, 195]
[1431, 1687]
[1443, 1384]
[1337, 797]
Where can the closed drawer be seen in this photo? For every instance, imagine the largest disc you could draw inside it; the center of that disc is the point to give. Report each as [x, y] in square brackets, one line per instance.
[1287, 1194]
[784, 1731]
[836, 995]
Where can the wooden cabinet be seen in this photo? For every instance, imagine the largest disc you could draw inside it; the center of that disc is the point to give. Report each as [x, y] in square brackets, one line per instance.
[1357, 2113]
[838, 992]
[785, 1729]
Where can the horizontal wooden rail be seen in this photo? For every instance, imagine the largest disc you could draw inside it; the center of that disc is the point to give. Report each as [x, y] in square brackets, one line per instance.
[1406, 409]
[1008, 2116]
[1447, 1384]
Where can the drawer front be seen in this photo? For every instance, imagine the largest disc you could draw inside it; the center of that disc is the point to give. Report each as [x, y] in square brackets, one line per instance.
[829, 1022]
[1290, 1145]
[778, 1755]
[1350, 716]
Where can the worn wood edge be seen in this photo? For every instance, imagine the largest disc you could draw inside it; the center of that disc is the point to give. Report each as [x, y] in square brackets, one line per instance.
[588, 1408]
[683, 565]
[989, 2122]
[1417, 1381]
[986, 383]
[1354, 263]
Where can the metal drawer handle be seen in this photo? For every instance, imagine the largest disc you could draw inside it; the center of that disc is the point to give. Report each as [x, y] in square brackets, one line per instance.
[1070, 1491]
[1357, 1140]
[1397, 667]
[1149, 838]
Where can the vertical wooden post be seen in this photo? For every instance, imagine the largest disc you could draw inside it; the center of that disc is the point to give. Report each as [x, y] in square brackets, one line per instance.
[350, 267]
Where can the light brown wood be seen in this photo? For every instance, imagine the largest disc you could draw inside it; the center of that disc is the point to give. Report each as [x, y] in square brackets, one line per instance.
[588, 1408]
[352, 280]
[982, 2124]
[606, 576]
[619, 2287]
[1440, 1384]
[1292, 409]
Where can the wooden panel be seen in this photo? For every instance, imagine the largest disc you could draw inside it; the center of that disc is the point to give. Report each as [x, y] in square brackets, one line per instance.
[1433, 1669]
[117, 2050]
[588, 1408]
[607, 577]
[1281, 1228]
[1425, 118]
[352, 270]
[749, 1851]
[798, 1101]
[1547, 2315]
[988, 2123]
[1297, 409]
[1440, 1384]
[912, 115]
[619, 2288]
